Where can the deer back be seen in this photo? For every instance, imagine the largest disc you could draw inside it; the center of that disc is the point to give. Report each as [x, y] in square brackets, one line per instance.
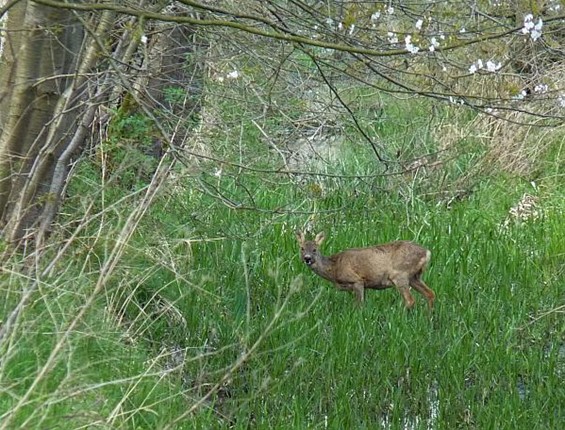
[379, 263]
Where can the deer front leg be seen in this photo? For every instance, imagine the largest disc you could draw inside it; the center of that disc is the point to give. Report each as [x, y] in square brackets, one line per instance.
[355, 288]
[402, 284]
[359, 291]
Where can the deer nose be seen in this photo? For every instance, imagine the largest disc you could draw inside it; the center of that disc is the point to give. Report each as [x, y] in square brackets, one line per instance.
[308, 259]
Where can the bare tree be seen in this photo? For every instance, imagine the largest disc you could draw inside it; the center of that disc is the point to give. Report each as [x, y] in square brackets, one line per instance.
[58, 69]
[64, 63]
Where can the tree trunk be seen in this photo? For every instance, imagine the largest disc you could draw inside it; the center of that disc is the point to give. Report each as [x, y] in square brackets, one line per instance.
[50, 97]
[38, 109]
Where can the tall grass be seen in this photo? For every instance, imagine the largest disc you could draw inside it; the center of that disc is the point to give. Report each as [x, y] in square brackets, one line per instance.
[485, 357]
[208, 319]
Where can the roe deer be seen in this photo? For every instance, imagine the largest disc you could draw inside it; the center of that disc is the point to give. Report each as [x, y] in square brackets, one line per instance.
[399, 264]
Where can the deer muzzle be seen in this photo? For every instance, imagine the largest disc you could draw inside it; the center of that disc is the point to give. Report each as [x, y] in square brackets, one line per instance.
[308, 259]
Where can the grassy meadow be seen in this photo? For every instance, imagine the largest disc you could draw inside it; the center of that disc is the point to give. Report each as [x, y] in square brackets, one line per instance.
[205, 317]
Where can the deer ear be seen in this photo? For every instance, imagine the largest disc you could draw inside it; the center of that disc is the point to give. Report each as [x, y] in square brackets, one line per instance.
[299, 236]
[319, 238]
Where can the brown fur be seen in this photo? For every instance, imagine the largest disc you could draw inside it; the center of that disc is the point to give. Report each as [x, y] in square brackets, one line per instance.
[399, 264]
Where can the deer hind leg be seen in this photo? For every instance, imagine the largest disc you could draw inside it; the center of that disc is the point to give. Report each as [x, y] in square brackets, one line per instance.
[423, 289]
[403, 288]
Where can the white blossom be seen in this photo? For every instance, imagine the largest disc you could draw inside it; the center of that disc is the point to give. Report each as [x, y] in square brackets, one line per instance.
[409, 46]
[233, 74]
[477, 65]
[554, 6]
[528, 23]
[492, 66]
[419, 24]
[541, 88]
[390, 10]
[144, 39]
[392, 38]
[433, 44]
[534, 30]
[561, 100]
[375, 16]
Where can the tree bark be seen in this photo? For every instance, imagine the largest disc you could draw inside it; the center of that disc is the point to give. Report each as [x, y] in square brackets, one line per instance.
[57, 67]
[38, 109]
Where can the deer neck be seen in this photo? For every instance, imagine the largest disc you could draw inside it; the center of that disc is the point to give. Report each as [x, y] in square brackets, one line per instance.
[324, 268]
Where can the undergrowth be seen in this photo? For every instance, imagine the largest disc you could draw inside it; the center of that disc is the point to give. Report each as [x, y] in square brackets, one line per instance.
[208, 319]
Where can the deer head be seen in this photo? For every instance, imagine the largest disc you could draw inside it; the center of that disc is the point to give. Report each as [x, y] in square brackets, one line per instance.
[310, 249]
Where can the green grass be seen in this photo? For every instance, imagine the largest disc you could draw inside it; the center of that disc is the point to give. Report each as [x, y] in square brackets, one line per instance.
[211, 302]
